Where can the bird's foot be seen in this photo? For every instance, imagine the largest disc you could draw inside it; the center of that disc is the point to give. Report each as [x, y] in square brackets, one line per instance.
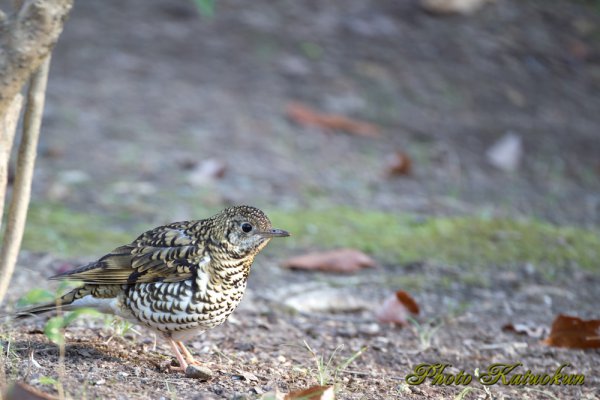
[183, 367]
[179, 368]
[189, 357]
[187, 364]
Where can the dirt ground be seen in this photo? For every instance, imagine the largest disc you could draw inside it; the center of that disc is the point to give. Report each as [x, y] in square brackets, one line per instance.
[141, 92]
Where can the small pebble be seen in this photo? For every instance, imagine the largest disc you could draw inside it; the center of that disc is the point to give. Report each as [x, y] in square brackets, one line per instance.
[370, 329]
[244, 346]
[198, 372]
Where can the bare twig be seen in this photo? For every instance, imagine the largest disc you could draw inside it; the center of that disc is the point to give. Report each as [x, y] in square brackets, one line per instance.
[17, 212]
[26, 40]
[8, 127]
[61, 355]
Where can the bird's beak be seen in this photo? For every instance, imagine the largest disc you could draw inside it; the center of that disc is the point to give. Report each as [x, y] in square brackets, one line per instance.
[274, 233]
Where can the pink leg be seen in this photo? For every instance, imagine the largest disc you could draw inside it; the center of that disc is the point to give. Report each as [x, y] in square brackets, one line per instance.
[182, 363]
[186, 353]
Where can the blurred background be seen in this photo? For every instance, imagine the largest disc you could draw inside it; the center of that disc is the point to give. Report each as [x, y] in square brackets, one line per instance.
[460, 150]
[143, 94]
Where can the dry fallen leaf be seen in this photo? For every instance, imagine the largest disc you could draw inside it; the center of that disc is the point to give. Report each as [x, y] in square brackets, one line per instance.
[23, 391]
[534, 331]
[574, 333]
[312, 393]
[307, 116]
[340, 260]
[399, 164]
[578, 50]
[397, 308]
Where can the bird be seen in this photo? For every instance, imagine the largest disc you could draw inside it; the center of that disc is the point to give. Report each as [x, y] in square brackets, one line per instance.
[179, 279]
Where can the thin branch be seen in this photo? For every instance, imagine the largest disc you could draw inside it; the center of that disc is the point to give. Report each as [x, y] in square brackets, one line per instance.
[26, 40]
[19, 204]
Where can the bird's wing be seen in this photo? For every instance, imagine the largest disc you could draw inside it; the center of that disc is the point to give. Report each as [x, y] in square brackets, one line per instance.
[168, 253]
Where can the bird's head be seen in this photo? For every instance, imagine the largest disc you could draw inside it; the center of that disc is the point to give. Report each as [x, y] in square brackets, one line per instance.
[247, 230]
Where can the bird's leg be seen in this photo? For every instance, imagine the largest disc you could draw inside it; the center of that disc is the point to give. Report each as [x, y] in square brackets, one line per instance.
[186, 353]
[182, 363]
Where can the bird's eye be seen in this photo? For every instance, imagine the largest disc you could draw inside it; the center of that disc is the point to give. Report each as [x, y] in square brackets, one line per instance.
[246, 227]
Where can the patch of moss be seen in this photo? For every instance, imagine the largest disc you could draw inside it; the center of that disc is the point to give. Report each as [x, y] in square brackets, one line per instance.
[56, 229]
[474, 241]
[392, 238]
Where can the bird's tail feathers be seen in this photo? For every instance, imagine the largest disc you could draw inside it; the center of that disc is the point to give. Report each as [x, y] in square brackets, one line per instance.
[64, 303]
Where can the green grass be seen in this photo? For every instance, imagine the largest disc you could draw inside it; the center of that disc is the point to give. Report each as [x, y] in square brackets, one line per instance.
[390, 238]
[469, 240]
[327, 371]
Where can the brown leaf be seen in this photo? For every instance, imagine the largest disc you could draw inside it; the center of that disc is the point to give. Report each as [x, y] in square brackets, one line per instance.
[578, 50]
[408, 302]
[312, 393]
[23, 391]
[307, 116]
[574, 333]
[397, 308]
[527, 329]
[340, 260]
[399, 164]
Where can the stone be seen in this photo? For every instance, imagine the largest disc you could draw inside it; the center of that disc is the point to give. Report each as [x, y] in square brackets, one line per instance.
[198, 372]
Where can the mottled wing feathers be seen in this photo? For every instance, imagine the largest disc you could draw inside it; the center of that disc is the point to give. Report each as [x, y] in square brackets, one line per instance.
[168, 253]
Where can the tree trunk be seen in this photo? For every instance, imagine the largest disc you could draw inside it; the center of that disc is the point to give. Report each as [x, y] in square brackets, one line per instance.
[19, 203]
[8, 127]
[26, 40]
